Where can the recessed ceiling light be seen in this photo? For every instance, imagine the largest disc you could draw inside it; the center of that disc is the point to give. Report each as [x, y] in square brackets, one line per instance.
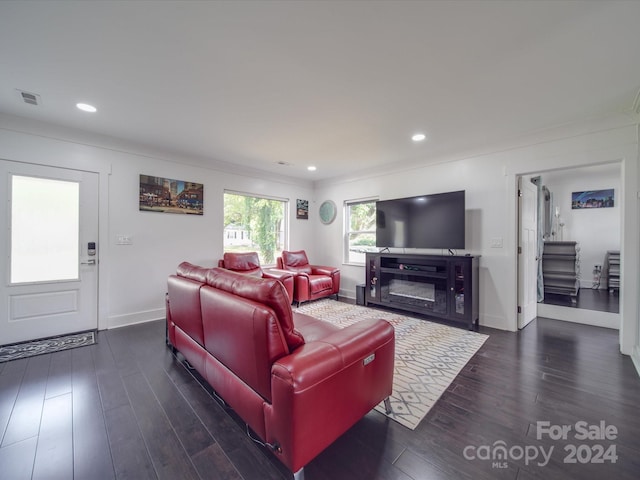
[311, 168]
[85, 107]
[418, 137]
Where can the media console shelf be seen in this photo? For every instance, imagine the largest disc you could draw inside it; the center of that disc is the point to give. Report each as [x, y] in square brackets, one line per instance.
[435, 285]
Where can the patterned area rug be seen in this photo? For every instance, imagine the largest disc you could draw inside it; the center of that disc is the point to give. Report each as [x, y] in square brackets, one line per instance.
[46, 345]
[428, 355]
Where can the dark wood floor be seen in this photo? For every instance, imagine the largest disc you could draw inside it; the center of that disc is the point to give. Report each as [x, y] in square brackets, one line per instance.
[588, 299]
[126, 408]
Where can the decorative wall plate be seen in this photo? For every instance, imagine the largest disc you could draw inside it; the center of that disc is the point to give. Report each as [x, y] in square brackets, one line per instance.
[327, 212]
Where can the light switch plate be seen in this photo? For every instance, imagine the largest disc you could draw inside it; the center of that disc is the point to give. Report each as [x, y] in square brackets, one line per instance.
[123, 239]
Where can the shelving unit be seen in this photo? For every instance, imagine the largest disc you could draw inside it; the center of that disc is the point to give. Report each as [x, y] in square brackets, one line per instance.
[440, 286]
[612, 266]
[561, 269]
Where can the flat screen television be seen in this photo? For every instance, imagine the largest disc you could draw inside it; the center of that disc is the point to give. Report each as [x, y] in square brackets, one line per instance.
[424, 221]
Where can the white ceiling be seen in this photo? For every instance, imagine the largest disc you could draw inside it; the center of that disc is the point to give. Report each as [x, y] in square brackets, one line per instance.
[340, 85]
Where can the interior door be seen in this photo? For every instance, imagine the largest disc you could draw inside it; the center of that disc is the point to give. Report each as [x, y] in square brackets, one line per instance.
[49, 257]
[527, 257]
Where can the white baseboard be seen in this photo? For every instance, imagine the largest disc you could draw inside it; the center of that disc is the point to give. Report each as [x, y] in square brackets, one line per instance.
[635, 357]
[579, 315]
[117, 321]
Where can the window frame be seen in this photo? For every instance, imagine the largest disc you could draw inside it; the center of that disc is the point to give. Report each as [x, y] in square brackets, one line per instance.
[346, 260]
[285, 219]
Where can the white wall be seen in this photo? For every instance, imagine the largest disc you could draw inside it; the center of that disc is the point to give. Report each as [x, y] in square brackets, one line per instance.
[133, 277]
[490, 184]
[596, 230]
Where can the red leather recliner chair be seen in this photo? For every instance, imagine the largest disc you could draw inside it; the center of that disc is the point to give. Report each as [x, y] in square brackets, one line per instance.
[311, 282]
[249, 263]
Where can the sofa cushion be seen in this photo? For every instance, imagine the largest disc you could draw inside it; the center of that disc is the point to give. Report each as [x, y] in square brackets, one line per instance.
[242, 334]
[267, 291]
[311, 328]
[247, 263]
[184, 306]
[319, 283]
[296, 261]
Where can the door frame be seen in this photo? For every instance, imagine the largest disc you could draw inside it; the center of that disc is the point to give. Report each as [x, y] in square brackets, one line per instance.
[522, 323]
[629, 237]
[103, 169]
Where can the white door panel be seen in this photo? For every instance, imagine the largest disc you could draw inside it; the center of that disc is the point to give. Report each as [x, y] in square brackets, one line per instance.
[527, 260]
[49, 280]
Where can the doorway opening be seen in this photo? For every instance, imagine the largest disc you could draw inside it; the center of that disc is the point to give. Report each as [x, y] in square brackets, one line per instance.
[595, 228]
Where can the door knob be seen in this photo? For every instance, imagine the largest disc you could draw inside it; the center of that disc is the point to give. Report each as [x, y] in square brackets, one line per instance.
[91, 261]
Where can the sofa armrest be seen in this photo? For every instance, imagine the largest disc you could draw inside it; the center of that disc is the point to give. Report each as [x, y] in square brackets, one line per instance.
[276, 273]
[315, 361]
[323, 270]
[284, 276]
[324, 387]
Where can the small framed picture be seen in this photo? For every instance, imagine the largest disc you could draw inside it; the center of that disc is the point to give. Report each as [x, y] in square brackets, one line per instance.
[302, 209]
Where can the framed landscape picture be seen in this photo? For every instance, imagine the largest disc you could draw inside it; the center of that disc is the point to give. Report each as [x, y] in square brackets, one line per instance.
[592, 199]
[166, 195]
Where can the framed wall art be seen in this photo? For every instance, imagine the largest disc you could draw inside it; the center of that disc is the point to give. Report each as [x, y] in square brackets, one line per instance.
[166, 195]
[592, 199]
[302, 209]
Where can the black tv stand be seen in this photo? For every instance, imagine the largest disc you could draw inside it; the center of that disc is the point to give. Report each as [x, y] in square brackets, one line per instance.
[442, 286]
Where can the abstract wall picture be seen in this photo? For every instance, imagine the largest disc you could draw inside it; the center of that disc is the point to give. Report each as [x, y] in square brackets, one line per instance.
[167, 195]
[302, 209]
[592, 199]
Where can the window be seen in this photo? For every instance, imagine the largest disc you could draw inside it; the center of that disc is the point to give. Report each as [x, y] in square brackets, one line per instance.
[360, 230]
[44, 229]
[255, 224]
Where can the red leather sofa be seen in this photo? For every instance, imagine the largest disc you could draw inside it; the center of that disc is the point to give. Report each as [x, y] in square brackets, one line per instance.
[249, 263]
[311, 281]
[298, 382]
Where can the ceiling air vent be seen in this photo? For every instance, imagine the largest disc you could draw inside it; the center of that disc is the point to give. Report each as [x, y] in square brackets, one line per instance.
[30, 98]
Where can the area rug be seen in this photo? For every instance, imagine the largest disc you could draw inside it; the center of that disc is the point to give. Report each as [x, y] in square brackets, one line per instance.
[429, 355]
[46, 345]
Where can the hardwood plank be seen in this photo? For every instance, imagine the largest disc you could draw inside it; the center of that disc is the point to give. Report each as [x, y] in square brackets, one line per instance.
[54, 455]
[15, 366]
[211, 462]
[92, 458]
[165, 450]
[131, 460]
[16, 460]
[59, 380]
[187, 426]
[9, 388]
[24, 422]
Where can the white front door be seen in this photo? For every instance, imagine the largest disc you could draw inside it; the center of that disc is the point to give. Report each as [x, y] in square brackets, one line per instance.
[49, 283]
[528, 257]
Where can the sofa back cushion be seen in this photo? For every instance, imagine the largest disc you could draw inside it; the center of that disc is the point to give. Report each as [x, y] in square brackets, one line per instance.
[246, 262]
[267, 291]
[184, 306]
[244, 335]
[296, 261]
[192, 272]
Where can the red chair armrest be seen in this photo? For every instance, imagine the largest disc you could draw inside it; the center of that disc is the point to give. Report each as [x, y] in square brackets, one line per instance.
[323, 270]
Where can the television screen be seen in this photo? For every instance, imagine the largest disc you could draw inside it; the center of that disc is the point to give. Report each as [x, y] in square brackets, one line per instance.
[425, 221]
